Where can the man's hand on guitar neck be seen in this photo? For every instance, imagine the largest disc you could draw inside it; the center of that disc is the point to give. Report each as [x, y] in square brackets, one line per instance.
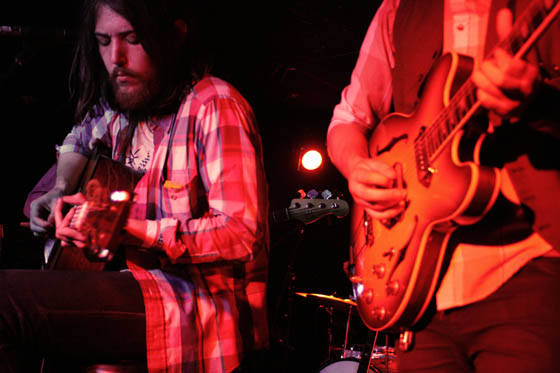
[68, 171]
[42, 213]
[506, 85]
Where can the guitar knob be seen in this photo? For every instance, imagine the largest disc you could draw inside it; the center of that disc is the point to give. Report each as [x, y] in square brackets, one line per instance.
[390, 253]
[368, 296]
[379, 313]
[296, 205]
[378, 270]
[393, 287]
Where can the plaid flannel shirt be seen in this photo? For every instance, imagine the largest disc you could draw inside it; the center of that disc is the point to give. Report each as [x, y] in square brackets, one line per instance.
[205, 199]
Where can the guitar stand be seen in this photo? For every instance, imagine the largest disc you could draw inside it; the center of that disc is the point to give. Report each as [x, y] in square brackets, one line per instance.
[287, 292]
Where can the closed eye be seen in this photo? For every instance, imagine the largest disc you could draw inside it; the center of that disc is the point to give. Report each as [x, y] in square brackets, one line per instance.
[103, 40]
[131, 38]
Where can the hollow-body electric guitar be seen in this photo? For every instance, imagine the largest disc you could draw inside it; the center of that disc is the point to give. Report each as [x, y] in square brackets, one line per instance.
[396, 263]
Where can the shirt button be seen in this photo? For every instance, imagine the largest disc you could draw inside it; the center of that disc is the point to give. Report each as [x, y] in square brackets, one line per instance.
[460, 27]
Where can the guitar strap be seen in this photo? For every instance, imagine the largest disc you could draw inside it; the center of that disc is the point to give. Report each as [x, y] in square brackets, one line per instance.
[535, 187]
[126, 140]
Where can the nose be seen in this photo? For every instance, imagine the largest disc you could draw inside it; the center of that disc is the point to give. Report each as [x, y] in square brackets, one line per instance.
[118, 53]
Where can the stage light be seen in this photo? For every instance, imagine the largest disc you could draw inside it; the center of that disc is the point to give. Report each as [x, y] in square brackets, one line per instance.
[311, 160]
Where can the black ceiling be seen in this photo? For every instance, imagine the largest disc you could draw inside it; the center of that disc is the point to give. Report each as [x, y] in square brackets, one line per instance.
[290, 59]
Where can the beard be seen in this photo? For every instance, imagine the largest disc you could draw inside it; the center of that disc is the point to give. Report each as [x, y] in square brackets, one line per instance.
[137, 94]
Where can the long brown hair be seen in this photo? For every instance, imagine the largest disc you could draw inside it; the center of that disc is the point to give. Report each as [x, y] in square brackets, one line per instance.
[178, 65]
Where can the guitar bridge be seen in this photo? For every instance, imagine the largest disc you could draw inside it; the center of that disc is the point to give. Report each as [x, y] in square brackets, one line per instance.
[423, 166]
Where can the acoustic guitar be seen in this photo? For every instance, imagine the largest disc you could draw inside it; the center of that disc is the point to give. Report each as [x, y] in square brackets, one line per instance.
[108, 186]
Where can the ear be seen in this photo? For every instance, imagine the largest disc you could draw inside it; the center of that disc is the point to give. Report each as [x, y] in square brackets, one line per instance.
[181, 28]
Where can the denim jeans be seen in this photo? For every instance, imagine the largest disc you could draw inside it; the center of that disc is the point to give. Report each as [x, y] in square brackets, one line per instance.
[69, 317]
[515, 329]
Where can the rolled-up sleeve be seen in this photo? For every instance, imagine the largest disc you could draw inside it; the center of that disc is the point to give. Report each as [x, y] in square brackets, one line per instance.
[96, 126]
[230, 189]
[367, 99]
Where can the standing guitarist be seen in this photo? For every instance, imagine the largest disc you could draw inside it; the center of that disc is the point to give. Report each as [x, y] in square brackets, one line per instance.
[496, 307]
[193, 296]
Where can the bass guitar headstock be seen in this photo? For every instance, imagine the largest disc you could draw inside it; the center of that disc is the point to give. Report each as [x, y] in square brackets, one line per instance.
[309, 208]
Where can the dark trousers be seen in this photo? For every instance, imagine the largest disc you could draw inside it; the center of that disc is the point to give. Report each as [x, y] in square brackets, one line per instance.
[515, 329]
[69, 317]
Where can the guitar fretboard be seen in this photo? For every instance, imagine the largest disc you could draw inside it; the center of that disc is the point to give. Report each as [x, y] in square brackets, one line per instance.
[526, 31]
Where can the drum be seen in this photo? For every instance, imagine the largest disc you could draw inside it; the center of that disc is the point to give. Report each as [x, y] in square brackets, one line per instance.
[383, 360]
[354, 351]
[378, 352]
[343, 366]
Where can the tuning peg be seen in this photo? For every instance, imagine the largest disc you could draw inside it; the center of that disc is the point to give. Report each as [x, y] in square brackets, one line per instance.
[326, 194]
[312, 194]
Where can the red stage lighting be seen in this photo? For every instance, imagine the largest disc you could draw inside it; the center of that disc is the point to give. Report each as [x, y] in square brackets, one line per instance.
[311, 159]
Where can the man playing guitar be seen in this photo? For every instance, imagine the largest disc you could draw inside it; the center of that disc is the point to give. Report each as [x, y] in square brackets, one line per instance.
[477, 283]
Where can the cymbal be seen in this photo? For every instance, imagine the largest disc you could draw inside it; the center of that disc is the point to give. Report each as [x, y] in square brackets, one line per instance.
[329, 300]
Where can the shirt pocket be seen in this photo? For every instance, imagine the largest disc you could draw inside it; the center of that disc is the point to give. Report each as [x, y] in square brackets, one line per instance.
[186, 200]
[176, 199]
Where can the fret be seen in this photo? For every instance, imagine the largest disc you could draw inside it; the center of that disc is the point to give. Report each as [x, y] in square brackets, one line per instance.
[435, 138]
[457, 116]
[470, 99]
[450, 123]
[441, 133]
[431, 146]
[534, 20]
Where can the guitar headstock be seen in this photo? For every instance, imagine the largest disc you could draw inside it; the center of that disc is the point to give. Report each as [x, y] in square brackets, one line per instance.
[309, 209]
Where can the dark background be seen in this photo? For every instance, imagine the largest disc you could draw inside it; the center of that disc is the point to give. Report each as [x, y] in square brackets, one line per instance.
[289, 59]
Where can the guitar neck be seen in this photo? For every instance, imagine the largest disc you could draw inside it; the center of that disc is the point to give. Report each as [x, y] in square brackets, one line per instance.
[461, 107]
[532, 23]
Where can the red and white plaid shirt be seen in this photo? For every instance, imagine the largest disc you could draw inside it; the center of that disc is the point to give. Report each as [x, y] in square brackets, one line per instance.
[205, 197]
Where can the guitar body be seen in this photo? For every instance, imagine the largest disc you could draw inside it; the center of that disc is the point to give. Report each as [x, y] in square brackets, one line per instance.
[398, 262]
[112, 175]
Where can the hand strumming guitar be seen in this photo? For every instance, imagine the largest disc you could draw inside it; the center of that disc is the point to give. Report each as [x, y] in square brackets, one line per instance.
[68, 235]
[95, 221]
[372, 184]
